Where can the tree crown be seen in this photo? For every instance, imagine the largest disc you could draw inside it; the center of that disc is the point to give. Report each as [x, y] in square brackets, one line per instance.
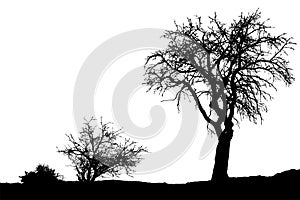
[233, 65]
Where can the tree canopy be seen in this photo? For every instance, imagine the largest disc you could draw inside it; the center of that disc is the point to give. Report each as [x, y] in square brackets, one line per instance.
[234, 65]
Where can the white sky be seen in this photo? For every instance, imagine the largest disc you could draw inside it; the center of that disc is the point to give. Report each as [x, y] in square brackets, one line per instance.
[43, 45]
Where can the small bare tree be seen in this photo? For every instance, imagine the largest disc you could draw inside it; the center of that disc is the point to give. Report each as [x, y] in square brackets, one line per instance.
[101, 150]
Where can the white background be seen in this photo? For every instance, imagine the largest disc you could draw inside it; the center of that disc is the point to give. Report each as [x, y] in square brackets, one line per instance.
[43, 45]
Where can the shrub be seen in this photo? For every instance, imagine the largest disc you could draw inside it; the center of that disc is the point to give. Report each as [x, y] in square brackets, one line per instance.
[42, 174]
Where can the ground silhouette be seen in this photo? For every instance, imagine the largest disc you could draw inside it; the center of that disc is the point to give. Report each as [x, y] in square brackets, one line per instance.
[285, 185]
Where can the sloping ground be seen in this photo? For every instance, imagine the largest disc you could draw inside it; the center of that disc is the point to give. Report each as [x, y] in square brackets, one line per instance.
[285, 185]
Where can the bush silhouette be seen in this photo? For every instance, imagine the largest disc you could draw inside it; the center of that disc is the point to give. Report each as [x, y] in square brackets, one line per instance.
[42, 174]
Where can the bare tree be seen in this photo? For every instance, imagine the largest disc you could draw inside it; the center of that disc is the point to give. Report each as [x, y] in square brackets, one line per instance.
[101, 150]
[232, 65]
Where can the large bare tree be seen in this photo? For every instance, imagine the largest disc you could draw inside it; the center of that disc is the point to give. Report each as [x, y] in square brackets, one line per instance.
[102, 150]
[235, 65]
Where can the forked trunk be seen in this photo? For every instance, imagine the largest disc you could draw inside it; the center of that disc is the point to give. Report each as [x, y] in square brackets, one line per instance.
[222, 156]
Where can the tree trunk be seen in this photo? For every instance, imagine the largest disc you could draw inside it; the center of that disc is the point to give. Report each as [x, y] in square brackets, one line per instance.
[222, 156]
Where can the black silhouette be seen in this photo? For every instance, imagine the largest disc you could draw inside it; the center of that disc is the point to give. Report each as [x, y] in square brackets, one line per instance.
[233, 65]
[42, 174]
[101, 151]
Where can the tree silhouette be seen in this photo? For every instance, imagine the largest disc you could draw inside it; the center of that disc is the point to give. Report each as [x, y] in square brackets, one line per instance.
[42, 174]
[232, 65]
[101, 150]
